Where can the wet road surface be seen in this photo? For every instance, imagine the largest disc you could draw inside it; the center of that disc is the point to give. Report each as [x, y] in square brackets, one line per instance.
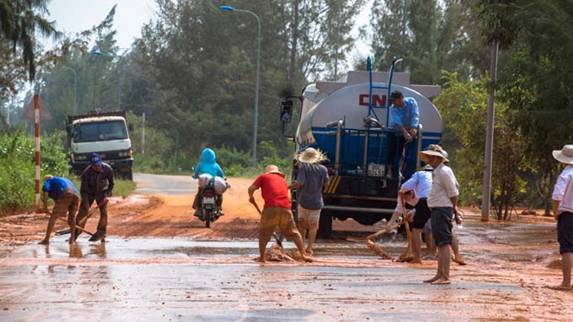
[184, 280]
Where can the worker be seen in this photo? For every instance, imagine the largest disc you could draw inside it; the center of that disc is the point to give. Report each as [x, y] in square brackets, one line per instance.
[66, 200]
[563, 212]
[311, 178]
[405, 200]
[208, 166]
[421, 183]
[404, 120]
[276, 212]
[96, 185]
[442, 201]
[457, 257]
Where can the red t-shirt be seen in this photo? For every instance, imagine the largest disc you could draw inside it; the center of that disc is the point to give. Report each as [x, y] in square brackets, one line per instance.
[274, 189]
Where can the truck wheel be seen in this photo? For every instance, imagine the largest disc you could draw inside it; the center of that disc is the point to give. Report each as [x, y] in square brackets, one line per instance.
[325, 225]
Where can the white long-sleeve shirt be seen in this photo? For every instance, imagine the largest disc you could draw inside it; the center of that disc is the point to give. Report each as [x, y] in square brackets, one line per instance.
[563, 190]
[444, 187]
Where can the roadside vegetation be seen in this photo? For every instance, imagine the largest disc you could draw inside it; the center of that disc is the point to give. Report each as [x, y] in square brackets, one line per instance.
[192, 71]
[17, 175]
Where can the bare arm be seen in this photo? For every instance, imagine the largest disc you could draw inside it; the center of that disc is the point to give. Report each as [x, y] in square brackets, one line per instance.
[295, 185]
[556, 204]
[251, 191]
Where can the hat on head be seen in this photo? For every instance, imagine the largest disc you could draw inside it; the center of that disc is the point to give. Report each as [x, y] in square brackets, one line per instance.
[565, 155]
[95, 159]
[311, 156]
[271, 168]
[396, 95]
[438, 153]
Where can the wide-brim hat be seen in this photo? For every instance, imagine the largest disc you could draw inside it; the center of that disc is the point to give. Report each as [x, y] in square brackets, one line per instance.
[311, 156]
[565, 155]
[425, 154]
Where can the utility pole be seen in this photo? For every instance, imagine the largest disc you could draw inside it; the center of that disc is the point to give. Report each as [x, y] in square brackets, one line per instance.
[143, 134]
[403, 38]
[488, 160]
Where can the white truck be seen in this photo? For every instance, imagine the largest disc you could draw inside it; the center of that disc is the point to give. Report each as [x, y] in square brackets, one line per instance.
[105, 133]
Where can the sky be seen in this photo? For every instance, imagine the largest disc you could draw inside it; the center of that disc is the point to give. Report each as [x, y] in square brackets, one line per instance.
[73, 16]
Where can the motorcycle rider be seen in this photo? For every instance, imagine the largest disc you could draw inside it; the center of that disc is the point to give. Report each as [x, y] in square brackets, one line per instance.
[208, 165]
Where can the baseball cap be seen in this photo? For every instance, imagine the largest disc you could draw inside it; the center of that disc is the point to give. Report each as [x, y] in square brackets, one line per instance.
[95, 159]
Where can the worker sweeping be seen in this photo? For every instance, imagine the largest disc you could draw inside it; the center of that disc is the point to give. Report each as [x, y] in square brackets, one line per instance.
[97, 185]
[66, 201]
[276, 213]
[399, 217]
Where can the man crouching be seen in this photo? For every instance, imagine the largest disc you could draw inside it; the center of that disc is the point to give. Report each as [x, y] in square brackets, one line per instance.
[276, 213]
[66, 200]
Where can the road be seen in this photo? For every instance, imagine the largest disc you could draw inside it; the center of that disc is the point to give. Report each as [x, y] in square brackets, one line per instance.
[144, 277]
[153, 184]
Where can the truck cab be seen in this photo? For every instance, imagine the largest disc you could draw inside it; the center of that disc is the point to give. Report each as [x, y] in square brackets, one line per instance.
[105, 133]
[348, 120]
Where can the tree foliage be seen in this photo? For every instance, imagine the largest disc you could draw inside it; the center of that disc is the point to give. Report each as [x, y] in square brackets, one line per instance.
[20, 20]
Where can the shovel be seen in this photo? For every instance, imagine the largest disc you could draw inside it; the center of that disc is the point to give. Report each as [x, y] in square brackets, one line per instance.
[90, 213]
[277, 239]
[407, 255]
[68, 230]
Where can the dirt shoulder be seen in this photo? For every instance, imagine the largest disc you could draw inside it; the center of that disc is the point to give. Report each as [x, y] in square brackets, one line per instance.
[149, 216]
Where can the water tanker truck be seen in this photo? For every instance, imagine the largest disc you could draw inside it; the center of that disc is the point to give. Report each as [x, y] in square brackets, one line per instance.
[349, 121]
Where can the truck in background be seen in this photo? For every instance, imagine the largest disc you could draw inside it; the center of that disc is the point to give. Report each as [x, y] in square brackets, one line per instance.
[348, 120]
[105, 133]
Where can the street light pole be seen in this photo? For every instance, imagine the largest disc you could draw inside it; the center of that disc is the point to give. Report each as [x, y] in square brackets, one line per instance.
[75, 88]
[257, 85]
[488, 159]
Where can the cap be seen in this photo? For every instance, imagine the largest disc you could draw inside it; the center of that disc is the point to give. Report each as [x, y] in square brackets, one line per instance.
[95, 159]
[395, 95]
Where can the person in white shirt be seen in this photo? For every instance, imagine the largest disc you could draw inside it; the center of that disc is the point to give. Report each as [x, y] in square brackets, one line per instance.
[404, 199]
[421, 183]
[563, 212]
[442, 201]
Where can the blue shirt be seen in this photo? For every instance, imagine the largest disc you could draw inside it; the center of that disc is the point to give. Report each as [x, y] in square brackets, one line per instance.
[420, 182]
[407, 116]
[313, 178]
[56, 186]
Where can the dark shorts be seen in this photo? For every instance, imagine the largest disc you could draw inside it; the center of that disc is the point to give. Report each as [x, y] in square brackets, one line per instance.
[442, 225]
[565, 232]
[422, 214]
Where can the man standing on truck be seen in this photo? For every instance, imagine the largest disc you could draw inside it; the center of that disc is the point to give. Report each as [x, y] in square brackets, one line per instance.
[97, 185]
[442, 201]
[66, 200]
[405, 120]
[311, 178]
[276, 213]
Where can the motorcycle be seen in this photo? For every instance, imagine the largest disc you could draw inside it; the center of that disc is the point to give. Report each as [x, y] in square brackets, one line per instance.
[209, 209]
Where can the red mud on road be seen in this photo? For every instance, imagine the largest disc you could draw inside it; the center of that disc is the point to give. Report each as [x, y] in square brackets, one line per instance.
[160, 264]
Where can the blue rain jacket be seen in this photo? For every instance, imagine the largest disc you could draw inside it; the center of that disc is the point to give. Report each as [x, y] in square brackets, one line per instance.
[208, 164]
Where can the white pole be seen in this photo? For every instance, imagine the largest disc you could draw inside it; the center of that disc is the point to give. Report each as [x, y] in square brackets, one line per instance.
[488, 160]
[37, 157]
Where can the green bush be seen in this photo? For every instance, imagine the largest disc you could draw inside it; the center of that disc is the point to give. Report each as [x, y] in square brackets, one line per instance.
[17, 159]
